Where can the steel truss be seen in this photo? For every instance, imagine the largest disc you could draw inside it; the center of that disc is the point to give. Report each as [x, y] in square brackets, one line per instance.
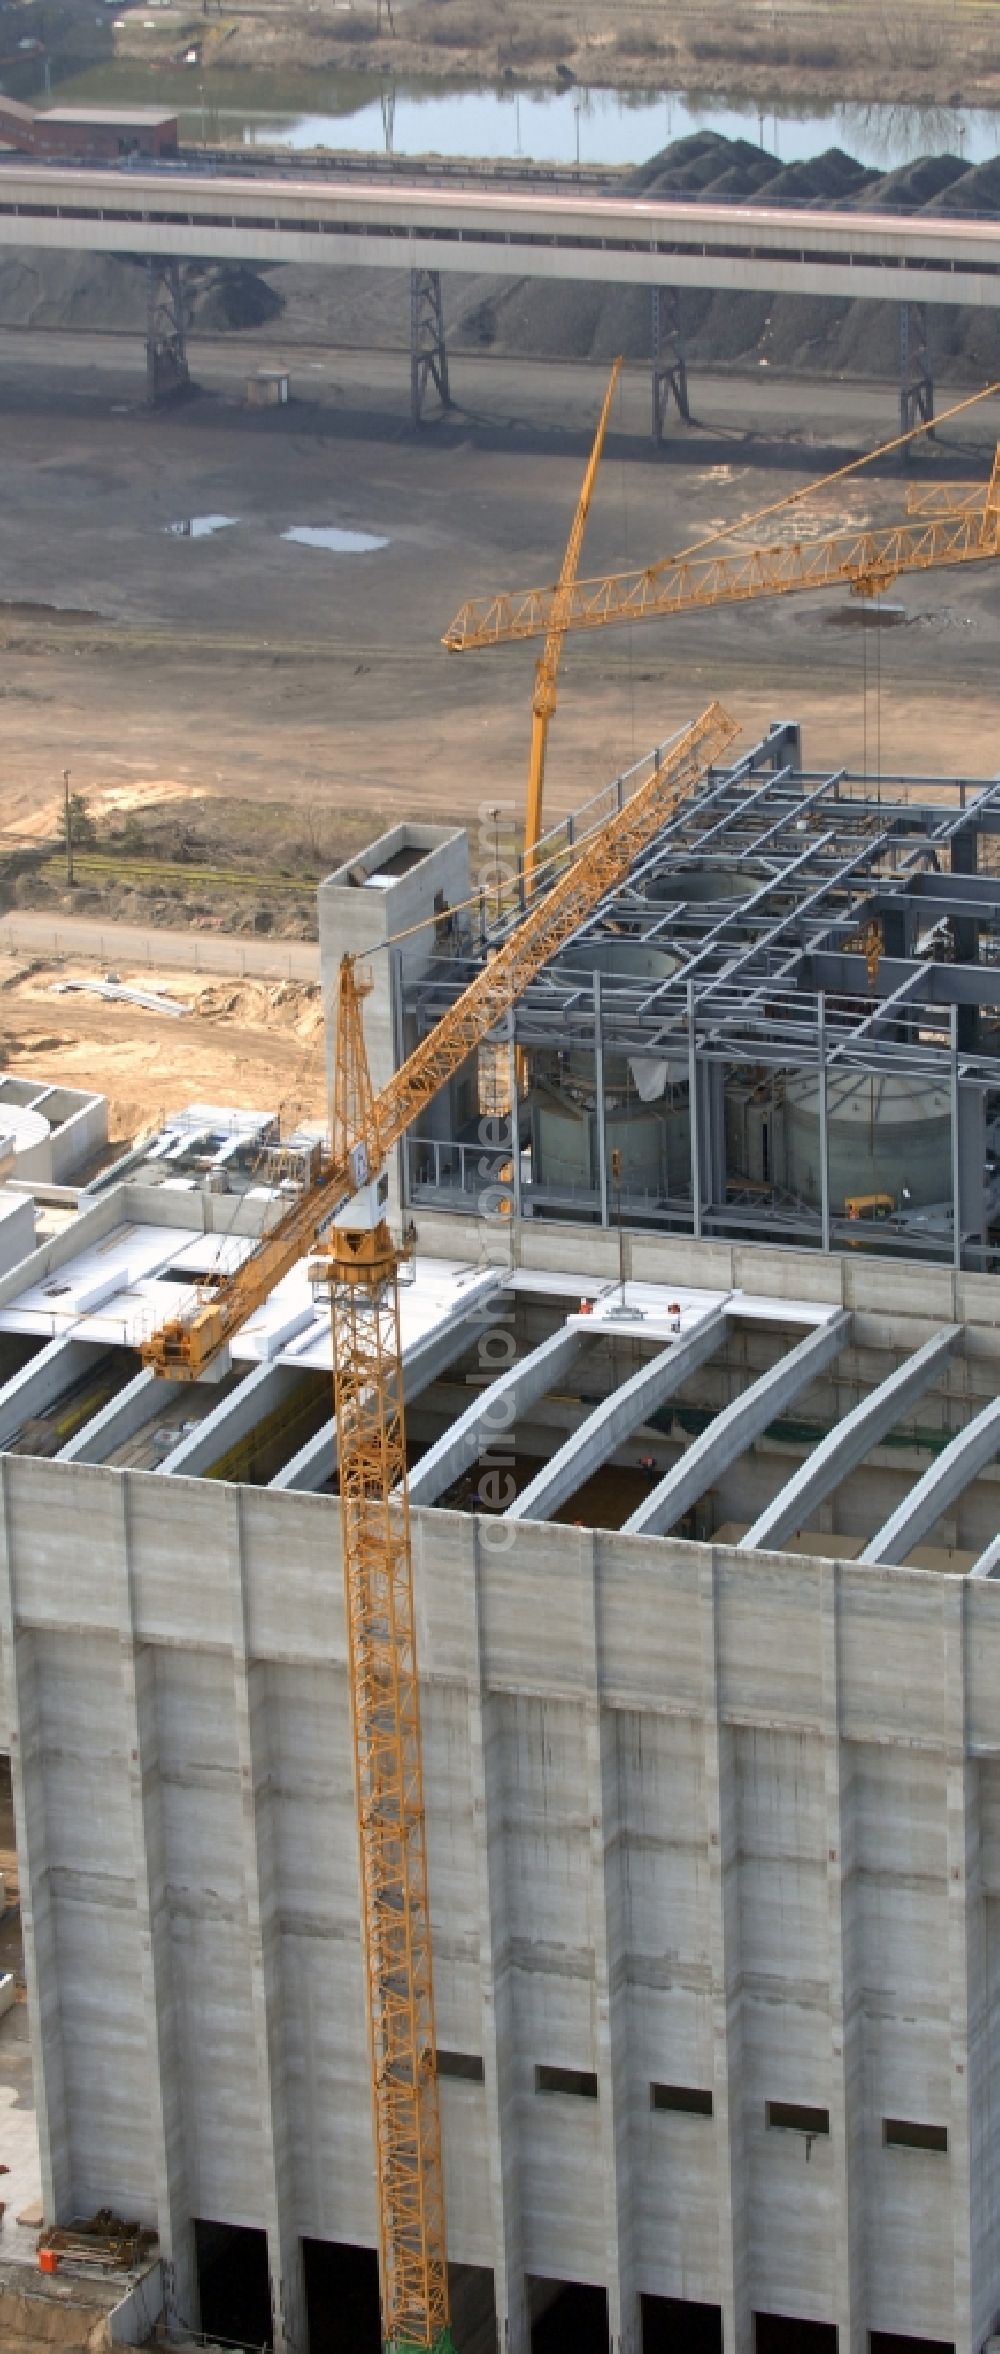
[168, 376]
[916, 374]
[778, 977]
[669, 359]
[428, 349]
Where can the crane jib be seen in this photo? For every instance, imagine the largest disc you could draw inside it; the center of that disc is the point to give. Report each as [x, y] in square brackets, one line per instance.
[183, 1348]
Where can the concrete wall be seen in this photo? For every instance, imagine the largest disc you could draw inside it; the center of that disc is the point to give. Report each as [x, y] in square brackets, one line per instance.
[356, 915]
[693, 1819]
[889, 1287]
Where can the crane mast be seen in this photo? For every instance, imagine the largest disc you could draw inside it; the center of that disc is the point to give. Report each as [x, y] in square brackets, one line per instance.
[543, 701]
[358, 1267]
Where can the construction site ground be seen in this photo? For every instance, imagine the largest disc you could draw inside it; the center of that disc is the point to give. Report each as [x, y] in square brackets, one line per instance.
[243, 1041]
[245, 701]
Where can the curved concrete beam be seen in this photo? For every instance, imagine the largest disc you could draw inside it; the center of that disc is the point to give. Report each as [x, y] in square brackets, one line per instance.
[960, 1463]
[492, 1415]
[732, 1431]
[614, 1420]
[850, 1441]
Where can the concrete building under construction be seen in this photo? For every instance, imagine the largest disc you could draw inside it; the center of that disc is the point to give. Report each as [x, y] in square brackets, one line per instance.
[702, 1367]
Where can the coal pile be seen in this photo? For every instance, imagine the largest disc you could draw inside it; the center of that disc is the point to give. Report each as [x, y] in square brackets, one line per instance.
[787, 332]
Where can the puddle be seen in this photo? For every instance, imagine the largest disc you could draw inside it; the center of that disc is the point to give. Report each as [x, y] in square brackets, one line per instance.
[328, 535]
[200, 526]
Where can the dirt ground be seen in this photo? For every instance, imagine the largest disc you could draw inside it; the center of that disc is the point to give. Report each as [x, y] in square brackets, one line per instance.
[241, 673]
[242, 668]
[243, 1042]
[914, 52]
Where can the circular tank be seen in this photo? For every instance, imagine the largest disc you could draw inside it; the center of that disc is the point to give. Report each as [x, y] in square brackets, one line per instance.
[886, 1135]
[646, 1124]
[21, 1132]
[617, 960]
[702, 880]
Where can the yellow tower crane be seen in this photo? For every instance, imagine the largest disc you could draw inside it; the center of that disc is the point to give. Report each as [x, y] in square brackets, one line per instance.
[339, 1215]
[940, 529]
[543, 701]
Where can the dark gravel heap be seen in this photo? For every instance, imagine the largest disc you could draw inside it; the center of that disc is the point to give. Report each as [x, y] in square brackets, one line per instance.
[784, 331]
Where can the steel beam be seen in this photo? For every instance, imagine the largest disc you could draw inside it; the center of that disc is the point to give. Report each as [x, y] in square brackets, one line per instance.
[843, 974]
[491, 1416]
[735, 1429]
[614, 1420]
[960, 1463]
[849, 1442]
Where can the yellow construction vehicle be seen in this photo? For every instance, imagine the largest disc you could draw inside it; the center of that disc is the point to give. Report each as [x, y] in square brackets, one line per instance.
[875, 1206]
[866, 561]
[340, 1216]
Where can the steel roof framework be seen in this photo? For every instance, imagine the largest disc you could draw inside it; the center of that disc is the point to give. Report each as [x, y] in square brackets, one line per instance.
[776, 978]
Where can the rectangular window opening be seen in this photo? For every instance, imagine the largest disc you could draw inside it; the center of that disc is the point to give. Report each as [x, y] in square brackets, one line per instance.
[465, 2067]
[687, 2100]
[904, 2133]
[795, 2118]
[578, 2081]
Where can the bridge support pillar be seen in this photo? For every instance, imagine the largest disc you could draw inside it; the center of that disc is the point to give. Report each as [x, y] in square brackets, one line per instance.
[167, 373]
[428, 350]
[669, 381]
[916, 378]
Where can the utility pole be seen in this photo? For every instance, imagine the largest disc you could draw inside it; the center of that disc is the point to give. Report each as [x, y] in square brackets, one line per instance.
[68, 822]
[616, 1180]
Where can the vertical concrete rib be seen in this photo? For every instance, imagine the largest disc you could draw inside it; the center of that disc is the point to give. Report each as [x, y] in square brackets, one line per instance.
[264, 1936]
[846, 2050]
[610, 1931]
[41, 1970]
[722, 1834]
[496, 1993]
[165, 2075]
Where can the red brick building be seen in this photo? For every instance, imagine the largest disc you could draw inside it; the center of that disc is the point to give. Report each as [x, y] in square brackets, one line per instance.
[92, 134]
